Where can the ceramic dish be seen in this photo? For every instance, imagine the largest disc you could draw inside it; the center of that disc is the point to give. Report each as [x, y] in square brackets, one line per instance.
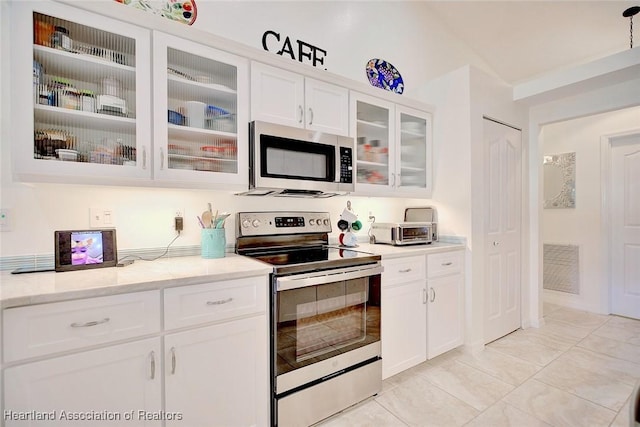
[384, 75]
[175, 118]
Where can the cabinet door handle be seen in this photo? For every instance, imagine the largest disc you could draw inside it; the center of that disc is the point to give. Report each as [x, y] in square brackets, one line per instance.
[301, 115]
[153, 365]
[220, 302]
[424, 295]
[433, 294]
[144, 157]
[88, 324]
[161, 158]
[393, 179]
[496, 243]
[446, 264]
[406, 270]
[310, 116]
[173, 360]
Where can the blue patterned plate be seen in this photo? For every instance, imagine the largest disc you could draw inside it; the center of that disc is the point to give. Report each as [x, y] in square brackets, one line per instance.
[383, 74]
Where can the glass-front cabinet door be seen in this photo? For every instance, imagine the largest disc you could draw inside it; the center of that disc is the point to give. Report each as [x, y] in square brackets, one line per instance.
[413, 139]
[200, 113]
[83, 115]
[373, 129]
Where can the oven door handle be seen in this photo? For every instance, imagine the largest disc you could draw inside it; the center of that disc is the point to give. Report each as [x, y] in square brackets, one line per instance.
[324, 277]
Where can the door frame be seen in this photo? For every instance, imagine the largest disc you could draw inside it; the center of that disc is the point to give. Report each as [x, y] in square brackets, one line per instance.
[606, 146]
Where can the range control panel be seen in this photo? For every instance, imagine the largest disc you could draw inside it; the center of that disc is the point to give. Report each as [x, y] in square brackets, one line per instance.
[271, 223]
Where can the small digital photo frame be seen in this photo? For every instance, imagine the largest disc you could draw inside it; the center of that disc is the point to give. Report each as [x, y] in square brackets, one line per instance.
[85, 249]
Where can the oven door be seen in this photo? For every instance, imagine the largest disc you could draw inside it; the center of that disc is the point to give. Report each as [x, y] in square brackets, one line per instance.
[325, 323]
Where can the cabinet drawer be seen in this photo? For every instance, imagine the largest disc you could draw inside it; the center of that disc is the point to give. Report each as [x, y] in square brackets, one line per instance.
[48, 328]
[445, 263]
[192, 305]
[403, 270]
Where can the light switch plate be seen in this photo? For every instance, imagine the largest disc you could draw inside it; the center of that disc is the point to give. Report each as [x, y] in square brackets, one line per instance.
[101, 217]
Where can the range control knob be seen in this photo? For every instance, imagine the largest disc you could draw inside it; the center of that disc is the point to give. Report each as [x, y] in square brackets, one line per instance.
[256, 223]
[326, 221]
[246, 223]
[312, 221]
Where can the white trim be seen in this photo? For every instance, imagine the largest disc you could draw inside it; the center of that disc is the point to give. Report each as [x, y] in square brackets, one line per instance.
[606, 143]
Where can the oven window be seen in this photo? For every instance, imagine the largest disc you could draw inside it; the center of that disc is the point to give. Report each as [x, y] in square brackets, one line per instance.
[288, 158]
[318, 322]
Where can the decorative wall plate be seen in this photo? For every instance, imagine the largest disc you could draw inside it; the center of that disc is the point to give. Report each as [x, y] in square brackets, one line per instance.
[383, 74]
[183, 11]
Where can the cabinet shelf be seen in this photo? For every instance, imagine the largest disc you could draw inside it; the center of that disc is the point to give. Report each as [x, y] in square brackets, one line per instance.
[411, 134]
[372, 164]
[413, 169]
[191, 158]
[191, 90]
[373, 124]
[77, 66]
[77, 118]
[198, 134]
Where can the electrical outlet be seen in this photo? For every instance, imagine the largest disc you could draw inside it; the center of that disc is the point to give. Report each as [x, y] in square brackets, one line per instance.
[178, 223]
[101, 217]
[5, 220]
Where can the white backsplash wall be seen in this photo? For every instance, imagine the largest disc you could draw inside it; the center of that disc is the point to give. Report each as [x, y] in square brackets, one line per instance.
[143, 217]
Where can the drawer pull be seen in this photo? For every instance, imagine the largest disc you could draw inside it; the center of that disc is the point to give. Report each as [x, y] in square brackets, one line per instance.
[220, 302]
[93, 323]
[446, 264]
[173, 360]
[153, 365]
[406, 270]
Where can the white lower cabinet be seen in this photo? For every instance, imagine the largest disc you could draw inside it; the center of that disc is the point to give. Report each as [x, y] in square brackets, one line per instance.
[445, 310]
[117, 385]
[76, 362]
[422, 308]
[217, 375]
[404, 316]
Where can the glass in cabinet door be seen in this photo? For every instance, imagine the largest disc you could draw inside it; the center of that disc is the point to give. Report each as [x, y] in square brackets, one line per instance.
[84, 94]
[372, 144]
[413, 151]
[201, 114]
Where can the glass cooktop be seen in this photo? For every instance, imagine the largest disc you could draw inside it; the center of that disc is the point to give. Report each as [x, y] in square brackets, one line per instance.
[312, 258]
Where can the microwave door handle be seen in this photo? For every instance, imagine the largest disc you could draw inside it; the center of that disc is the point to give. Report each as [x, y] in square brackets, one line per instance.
[292, 282]
[338, 171]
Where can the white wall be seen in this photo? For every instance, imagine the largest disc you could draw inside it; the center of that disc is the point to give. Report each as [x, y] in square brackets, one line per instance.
[582, 225]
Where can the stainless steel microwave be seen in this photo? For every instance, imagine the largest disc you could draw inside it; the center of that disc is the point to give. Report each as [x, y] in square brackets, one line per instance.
[288, 161]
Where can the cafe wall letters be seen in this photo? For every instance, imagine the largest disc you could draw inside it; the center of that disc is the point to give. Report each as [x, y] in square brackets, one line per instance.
[297, 50]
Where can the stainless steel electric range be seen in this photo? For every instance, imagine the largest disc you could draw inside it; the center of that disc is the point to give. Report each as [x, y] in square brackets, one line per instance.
[324, 316]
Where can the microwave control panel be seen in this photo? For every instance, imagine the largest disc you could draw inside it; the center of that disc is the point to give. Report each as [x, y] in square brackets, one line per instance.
[346, 165]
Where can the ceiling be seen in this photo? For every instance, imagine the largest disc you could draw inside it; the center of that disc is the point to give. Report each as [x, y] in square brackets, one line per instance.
[522, 40]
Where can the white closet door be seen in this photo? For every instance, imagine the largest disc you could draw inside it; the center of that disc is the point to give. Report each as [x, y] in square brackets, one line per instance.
[503, 177]
[625, 233]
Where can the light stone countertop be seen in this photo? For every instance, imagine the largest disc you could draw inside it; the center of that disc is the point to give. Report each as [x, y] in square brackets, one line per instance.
[389, 251]
[38, 288]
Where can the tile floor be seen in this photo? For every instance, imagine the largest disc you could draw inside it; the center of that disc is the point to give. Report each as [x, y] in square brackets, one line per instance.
[579, 370]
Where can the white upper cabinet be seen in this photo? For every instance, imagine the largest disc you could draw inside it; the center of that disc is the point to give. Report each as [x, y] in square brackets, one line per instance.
[84, 111]
[393, 146]
[287, 98]
[413, 159]
[374, 130]
[200, 113]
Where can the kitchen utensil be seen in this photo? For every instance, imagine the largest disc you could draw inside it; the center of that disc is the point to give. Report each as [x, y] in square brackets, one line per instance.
[357, 225]
[343, 225]
[207, 216]
[219, 221]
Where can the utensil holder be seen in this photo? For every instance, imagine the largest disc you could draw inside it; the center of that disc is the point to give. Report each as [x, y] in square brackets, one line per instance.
[213, 242]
